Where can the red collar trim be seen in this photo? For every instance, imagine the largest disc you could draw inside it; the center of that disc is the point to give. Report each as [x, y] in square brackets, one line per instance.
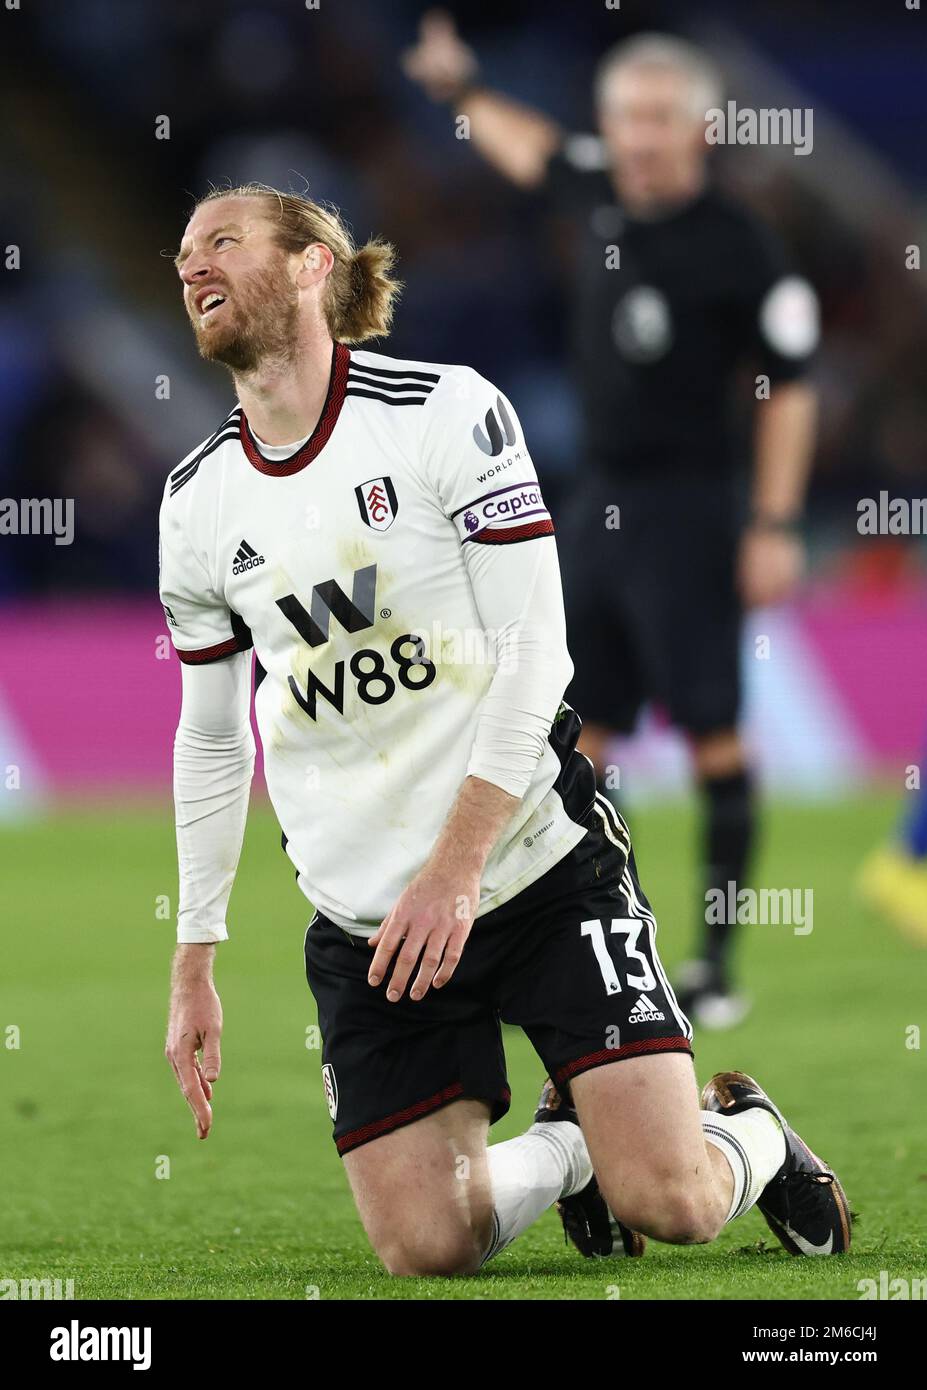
[337, 385]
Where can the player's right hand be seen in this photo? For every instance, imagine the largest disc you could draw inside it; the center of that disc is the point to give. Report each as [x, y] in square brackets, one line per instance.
[440, 62]
[195, 1024]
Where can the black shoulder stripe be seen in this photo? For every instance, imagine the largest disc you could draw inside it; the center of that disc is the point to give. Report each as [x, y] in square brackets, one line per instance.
[232, 433]
[233, 417]
[183, 475]
[387, 400]
[192, 468]
[395, 388]
[389, 371]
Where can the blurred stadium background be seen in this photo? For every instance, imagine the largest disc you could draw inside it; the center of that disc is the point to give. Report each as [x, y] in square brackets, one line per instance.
[101, 393]
[91, 324]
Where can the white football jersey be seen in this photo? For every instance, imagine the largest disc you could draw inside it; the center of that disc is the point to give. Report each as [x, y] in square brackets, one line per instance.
[367, 570]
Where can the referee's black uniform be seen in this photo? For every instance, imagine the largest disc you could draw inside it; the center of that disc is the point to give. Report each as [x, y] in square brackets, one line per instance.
[659, 344]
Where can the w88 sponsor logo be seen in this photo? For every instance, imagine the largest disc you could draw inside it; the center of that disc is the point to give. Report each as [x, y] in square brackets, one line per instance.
[375, 684]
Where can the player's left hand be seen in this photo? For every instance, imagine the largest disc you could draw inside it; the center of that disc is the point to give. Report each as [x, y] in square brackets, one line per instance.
[770, 565]
[431, 918]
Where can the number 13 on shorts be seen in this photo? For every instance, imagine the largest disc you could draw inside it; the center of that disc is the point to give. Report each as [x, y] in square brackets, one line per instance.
[631, 928]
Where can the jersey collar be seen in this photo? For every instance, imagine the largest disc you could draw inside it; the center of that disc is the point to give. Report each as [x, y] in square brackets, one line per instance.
[337, 385]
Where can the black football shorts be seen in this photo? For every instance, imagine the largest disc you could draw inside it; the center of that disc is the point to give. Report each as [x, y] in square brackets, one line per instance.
[572, 960]
[652, 606]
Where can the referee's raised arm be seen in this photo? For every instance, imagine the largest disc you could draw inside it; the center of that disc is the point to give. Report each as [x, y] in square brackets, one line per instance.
[515, 139]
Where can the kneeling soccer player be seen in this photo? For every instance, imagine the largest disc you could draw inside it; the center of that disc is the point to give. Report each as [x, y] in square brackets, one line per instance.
[374, 529]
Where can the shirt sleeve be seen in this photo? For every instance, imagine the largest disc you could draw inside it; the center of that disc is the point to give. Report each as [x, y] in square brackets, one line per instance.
[780, 308]
[478, 465]
[214, 745]
[213, 765]
[202, 626]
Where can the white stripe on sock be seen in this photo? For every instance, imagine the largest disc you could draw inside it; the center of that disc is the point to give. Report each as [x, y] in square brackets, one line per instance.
[754, 1146]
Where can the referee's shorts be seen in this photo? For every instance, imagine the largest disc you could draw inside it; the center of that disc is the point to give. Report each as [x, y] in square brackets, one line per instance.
[652, 606]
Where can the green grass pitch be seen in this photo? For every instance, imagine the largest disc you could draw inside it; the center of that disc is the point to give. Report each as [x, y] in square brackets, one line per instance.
[88, 1105]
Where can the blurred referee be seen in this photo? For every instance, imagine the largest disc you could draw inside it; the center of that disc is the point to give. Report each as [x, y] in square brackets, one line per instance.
[681, 301]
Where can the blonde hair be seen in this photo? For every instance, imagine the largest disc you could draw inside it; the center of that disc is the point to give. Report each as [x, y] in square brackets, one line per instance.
[360, 292]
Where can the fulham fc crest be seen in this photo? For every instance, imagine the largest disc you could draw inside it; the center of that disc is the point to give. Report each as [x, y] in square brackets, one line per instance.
[331, 1089]
[377, 502]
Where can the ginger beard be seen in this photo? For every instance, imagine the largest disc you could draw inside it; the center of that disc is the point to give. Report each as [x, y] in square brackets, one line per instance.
[256, 323]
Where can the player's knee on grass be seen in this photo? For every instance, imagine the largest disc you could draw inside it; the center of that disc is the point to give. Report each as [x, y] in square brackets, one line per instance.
[421, 1215]
[671, 1210]
[437, 1253]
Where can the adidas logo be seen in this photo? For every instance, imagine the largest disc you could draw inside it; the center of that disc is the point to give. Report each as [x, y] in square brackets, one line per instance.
[246, 559]
[645, 1011]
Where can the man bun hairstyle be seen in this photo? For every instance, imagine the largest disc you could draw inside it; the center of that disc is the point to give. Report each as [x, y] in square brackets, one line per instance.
[363, 293]
[360, 292]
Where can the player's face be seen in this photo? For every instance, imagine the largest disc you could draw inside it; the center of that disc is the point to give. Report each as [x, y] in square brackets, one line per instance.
[655, 142]
[238, 291]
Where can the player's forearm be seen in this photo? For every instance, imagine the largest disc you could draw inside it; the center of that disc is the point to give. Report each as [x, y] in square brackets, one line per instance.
[520, 599]
[519, 710]
[519, 596]
[784, 448]
[475, 822]
[192, 963]
[515, 139]
[212, 780]
[213, 766]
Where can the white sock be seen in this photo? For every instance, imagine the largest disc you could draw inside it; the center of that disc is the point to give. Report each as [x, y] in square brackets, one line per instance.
[754, 1146]
[532, 1172]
